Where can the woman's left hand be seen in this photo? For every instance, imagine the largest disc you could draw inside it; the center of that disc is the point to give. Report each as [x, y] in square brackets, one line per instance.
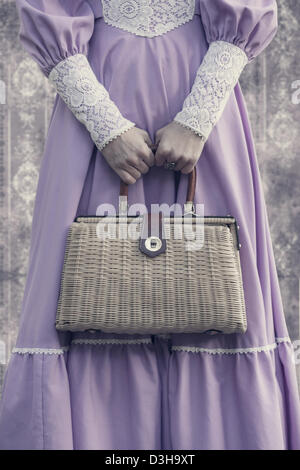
[176, 143]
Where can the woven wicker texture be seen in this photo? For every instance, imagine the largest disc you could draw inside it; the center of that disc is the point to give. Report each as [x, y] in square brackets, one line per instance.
[110, 285]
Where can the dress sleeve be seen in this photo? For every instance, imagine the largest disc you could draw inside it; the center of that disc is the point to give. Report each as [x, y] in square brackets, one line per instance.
[56, 34]
[51, 31]
[236, 32]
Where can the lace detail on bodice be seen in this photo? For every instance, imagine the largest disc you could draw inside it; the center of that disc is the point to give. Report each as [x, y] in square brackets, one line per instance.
[147, 18]
[88, 99]
[215, 79]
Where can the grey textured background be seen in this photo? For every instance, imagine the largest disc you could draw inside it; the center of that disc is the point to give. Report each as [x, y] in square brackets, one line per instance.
[26, 101]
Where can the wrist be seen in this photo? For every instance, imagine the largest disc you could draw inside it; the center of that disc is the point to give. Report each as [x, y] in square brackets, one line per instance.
[102, 144]
[183, 123]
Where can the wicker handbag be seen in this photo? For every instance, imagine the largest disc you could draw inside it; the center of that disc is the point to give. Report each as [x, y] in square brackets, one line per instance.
[152, 283]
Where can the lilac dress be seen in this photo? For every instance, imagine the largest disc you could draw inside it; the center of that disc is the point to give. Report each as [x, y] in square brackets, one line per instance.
[182, 391]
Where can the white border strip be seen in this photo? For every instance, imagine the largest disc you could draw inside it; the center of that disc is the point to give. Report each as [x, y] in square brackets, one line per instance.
[40, 350]
[267, 347]
[194, 349]
[285, 339]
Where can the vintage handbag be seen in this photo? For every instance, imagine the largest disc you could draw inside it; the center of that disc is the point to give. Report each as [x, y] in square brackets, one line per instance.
[150, 282]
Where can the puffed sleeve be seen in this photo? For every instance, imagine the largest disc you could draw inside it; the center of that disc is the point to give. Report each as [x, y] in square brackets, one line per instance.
[56, 33]
[248, 24]
[52, 30]
[236, 32]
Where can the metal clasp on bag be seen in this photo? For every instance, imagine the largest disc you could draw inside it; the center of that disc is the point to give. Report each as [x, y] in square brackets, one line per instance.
[153, 241]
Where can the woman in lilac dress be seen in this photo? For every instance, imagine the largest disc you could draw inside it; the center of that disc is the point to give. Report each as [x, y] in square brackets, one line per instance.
[132, 75]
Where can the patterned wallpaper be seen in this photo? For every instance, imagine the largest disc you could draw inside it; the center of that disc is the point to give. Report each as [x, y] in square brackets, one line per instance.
[270, 85]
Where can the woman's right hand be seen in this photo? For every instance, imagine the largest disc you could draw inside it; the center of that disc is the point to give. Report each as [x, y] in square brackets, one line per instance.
[129, 154]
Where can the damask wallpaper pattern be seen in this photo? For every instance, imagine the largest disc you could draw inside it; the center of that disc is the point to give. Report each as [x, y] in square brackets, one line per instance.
[271, 87]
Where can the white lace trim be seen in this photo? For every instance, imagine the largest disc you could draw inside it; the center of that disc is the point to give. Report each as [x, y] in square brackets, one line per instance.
[40, 350]
[285, 339]
[215, 79]
[268, 347]
[88, 99]
[194, 349]
[148, 18]
[110, 341]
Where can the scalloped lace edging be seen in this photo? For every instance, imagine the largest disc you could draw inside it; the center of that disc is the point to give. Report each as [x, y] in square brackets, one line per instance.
[191, 128]
[267, 347]
[40, 350]
[194, 349]
[116, 134]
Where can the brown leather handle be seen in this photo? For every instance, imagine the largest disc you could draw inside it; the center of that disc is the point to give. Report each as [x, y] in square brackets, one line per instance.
[190, 191]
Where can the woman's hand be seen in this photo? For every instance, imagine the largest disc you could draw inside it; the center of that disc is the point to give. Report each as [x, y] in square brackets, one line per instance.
[129, 154]
[176, 143]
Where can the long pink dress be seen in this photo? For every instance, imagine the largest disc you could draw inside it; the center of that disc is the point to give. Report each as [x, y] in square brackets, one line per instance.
[186, 391]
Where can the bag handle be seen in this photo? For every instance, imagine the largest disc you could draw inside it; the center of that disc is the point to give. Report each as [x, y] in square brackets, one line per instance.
[189, 205]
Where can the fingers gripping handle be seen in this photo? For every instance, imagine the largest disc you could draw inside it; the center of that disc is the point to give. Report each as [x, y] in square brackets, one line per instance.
[190, 190]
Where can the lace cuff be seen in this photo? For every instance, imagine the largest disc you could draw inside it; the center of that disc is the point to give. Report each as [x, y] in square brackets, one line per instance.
[215, 79]
[88, 99]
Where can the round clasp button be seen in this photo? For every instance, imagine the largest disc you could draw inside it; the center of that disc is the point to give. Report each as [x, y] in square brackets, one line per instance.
[153, 243]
